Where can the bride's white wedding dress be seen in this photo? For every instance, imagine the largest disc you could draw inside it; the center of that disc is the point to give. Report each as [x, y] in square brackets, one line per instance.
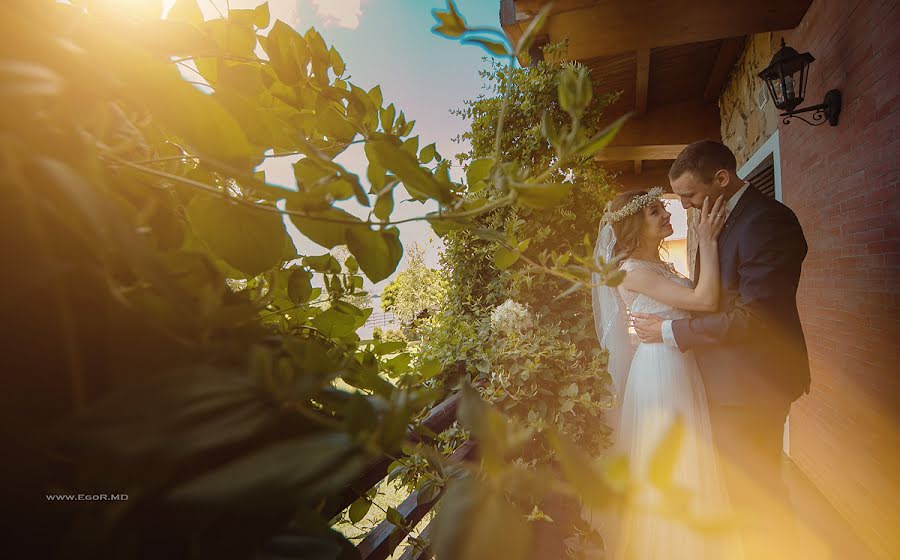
[663, 383]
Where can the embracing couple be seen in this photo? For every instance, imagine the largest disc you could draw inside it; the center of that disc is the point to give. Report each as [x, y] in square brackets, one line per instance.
[725, 354]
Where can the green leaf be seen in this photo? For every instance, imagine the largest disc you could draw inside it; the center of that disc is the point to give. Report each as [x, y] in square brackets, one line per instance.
[337, 63]
[479, 170]
[420, 183]
[262, 15]
[542, 195]
[249, 239]
[387, 117]
[336, 322]
[377, 252]
[300, 286]
[395, 517]
[442, 226]
[384, 206]
[428, 153]
[662, 462]
[280, 475]
[332, 122]
[288, 53]
[328, 234]
[576, 466]
[186, 11]
[326, 263]
[385, 348]
[376, 96]
[449, 23]
[493, 47]
[534, 27]
[351, 264]
[429, 369]
[504, 258]
[359, 509]
[602, 138]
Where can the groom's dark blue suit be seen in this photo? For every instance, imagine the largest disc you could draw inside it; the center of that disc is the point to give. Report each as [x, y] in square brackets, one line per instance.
[752, 350]
[753, 359]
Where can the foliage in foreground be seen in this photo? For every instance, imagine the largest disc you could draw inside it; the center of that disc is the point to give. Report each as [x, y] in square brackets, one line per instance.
[166, 339]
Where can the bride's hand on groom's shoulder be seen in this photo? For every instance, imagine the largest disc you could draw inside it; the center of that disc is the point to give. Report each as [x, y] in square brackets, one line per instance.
[711, 221]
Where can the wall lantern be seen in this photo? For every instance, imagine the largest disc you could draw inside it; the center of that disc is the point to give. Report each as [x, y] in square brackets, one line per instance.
[786, 77]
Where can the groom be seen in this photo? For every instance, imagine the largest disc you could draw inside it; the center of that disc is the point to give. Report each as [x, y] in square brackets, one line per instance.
[751, 352]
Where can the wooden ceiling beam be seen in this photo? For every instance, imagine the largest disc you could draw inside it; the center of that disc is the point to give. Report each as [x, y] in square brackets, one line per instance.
[644, 152]
[649, 178]
[606, 27]
[728, 55]
[674, 123]
[642, 84]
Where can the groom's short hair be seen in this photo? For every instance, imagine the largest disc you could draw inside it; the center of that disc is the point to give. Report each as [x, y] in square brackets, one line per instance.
[703, 158]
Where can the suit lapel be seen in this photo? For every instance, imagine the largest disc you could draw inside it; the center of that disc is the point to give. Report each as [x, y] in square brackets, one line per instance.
[746, 200]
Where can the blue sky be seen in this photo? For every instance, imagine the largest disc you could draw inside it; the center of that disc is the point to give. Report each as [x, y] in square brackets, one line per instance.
[390, 43]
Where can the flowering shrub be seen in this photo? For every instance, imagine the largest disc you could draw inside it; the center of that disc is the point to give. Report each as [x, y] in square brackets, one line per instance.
[511, 316]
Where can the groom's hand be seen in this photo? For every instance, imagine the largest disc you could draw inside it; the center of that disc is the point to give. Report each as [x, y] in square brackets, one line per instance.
[648, 327]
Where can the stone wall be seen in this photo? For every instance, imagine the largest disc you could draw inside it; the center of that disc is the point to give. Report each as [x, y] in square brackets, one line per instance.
[744, 125]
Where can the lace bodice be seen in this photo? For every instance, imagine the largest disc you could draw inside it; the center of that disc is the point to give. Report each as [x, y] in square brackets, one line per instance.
[640, 303]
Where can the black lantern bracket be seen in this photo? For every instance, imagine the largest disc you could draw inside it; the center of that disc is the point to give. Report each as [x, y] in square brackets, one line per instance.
[827, 111]
[786, 76]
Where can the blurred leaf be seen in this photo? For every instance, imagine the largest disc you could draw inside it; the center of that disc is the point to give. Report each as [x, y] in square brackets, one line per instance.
[323, 263]
[287, 52]
[280, 475]
[534, 27]
[405, 166]
[187, 11]
[327, 233]
[359, 509]
[478, 523]
[450, 23]
[544, 195]
[576, 466]
[300, 286]
[337, 63]
[249, 239]
[377, 252]
[428, 153]
[395, 517]
[493, 47]
[479, 169]
[602, 138]
[662, 462]
[504, 258]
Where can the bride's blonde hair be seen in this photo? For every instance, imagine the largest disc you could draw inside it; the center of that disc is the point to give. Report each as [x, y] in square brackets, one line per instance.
[627, 229]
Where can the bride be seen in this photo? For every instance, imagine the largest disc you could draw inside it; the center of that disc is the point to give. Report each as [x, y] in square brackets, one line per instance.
[655, 384]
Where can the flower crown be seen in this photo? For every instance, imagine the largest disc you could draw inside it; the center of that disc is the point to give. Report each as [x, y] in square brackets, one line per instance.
[634, 205]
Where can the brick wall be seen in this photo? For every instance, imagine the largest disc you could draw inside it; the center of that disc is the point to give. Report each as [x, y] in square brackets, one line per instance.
[842, 183]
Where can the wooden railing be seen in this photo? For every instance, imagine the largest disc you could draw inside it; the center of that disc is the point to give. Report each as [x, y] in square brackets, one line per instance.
[376, 545]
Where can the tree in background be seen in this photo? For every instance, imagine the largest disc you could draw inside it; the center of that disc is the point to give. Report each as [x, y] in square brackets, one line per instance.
[415, 290]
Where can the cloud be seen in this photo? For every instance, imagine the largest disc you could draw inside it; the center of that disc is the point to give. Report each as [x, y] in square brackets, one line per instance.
[343, 13]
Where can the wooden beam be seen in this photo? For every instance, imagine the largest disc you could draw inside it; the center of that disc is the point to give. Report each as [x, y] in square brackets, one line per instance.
[602, 28]
[651, 151]
[675, 123]
[638, 165]
[643, 81]
[649, 178]
[728, 55]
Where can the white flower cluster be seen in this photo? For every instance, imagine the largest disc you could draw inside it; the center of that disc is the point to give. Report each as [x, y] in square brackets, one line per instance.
[635, 205]
[511, 316]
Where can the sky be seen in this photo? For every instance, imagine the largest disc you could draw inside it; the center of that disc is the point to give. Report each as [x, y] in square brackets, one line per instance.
[389, 43]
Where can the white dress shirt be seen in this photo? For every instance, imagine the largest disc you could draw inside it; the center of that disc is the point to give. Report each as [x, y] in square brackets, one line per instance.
[667, 334]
